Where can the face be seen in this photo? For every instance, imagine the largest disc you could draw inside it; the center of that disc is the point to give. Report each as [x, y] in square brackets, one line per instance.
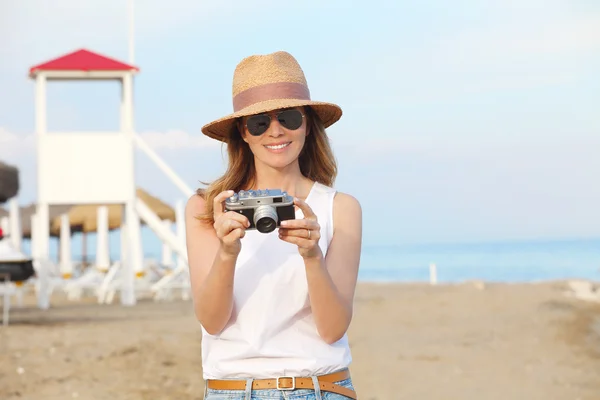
[276, 138]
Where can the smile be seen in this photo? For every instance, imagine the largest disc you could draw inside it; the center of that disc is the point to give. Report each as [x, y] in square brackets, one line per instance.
[278, 147]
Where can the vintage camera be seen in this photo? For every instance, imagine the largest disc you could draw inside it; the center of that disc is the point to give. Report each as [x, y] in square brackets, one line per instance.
[265, 209]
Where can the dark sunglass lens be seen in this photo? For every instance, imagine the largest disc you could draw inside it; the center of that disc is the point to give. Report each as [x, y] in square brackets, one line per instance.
[258, 124]
[290, 119]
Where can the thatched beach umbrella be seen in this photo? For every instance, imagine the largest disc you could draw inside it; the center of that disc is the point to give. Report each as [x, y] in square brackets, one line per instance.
[26, 213]
[84, 218]
[9, 182]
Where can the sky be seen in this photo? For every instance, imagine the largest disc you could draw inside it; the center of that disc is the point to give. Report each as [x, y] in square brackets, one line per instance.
[477, 122]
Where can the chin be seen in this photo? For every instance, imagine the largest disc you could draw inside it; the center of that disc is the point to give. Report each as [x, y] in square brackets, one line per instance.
[280, 160]
[280, 166]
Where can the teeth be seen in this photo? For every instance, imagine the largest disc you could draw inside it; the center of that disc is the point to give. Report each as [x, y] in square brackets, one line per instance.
[281, 146]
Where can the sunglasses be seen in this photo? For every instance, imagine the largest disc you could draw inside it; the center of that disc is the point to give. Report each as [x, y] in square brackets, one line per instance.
[289, 119]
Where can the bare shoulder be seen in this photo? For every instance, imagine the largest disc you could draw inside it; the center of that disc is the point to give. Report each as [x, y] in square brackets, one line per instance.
[195, 206]
[347, 214]
[200, 237]
[346, 204]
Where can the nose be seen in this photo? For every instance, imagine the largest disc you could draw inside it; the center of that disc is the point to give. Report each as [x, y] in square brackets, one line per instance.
[275, 129]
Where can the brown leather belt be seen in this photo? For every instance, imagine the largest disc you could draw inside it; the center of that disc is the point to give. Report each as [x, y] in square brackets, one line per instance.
[326, 383]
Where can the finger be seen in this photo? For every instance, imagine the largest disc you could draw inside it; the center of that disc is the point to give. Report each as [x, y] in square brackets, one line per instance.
[227, 226]
[235, 234]
[218, 207]
[300, 242]
[306, 210]
[236, 216]
[300, 223]
[301, 233]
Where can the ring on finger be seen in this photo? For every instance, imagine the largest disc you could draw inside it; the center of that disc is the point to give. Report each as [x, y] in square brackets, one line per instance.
[308, 233]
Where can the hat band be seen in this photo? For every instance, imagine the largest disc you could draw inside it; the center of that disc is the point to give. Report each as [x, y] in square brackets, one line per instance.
[270, 91]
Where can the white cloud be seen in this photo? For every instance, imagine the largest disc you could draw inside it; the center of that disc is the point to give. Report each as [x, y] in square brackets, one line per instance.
[538, 41]
[573, 156]
[382, 147]
[33, 31]
[177, 148]
[178, 140]
[514, 49]
[13, 146]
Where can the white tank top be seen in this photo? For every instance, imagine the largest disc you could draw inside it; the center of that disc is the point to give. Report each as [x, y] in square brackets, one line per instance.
[272, 331]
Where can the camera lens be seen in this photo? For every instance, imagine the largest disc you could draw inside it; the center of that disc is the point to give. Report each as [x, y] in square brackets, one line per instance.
[265, 219]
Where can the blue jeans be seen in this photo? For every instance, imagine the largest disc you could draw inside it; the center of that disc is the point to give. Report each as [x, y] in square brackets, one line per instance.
[274, 394]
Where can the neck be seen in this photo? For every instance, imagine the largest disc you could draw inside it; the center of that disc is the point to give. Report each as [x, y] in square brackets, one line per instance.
[288, 179]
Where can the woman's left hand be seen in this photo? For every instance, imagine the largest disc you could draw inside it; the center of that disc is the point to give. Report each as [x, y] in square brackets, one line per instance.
[305, 233]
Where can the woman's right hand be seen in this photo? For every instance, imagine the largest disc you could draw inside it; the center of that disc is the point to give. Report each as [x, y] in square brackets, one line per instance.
[230, 226]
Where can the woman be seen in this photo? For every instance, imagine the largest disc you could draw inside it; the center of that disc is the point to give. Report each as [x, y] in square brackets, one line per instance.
[275, 307]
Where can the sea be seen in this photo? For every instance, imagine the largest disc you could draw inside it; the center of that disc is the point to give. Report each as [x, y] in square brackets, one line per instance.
[494, 261]
[502, 261]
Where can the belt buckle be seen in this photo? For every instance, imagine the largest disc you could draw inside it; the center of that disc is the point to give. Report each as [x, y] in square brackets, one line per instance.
[293, 378]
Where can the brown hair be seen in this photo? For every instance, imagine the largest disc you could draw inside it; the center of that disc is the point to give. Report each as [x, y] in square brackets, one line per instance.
[316, 160]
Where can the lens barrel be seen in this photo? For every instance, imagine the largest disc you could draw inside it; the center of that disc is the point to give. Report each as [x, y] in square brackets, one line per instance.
[265, 219]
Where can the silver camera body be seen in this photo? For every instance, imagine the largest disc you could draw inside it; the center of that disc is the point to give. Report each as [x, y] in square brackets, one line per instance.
[265, 208]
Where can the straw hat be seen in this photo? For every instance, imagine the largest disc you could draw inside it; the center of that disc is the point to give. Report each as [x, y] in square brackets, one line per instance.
[263, 83]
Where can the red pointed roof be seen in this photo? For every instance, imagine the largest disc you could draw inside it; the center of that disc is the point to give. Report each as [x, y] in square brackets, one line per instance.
[82, 60]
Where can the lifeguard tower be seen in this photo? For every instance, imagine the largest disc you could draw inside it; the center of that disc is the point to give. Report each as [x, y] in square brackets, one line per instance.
[96, 167]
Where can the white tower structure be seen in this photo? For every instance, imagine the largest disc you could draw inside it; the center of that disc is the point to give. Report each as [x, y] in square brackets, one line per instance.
[95, 167]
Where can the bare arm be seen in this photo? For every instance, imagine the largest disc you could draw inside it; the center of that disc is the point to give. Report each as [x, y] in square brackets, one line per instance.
[212, 264]
[332, 279]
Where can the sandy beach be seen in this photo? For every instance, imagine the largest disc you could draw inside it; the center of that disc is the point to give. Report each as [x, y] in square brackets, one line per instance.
[410, 341]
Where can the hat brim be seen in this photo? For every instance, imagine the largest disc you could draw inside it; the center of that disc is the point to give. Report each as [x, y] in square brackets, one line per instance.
[221, 128]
